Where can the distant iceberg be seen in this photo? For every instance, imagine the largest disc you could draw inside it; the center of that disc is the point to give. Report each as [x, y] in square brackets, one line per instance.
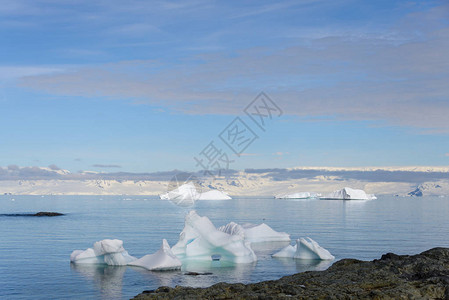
[305, 249]
[301, 195]
[214, 195]
[200, 240]
[255, 233]
[110, 252]
[188, 194]
[162, 260]
[349, 194]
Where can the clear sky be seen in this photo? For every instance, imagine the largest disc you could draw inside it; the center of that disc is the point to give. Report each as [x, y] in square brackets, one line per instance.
[144, 86]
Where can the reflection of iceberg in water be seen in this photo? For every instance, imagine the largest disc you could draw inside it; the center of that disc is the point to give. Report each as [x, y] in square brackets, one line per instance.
[107, 279]
[303, 265]
[221, 271]
[166, 278]
[217, 271]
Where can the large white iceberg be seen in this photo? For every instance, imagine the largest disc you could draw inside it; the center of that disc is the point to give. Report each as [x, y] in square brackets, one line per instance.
[187, 194]
[305, 249]
[162, 260]
[110, 252]
[255, 233]
[349, 194]
[200, 240]
[300, 195]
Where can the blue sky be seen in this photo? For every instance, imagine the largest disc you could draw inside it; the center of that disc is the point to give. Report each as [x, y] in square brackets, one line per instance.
[143, 86]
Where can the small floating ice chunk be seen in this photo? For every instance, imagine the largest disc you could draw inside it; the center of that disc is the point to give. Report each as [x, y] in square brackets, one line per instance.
[349, 194]
[300, 195]
[108, 246]
[200, 240]
[311, 250]
[85, 257]
[214, 195]
[289, 252]
[305, 249]
[162, 260]
[110, 252]
[255, 233]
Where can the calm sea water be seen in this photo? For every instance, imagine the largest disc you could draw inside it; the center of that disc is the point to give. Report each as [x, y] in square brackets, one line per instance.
[34, 252]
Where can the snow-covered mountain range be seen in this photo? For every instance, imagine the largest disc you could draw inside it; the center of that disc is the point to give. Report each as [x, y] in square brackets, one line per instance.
[401, 181]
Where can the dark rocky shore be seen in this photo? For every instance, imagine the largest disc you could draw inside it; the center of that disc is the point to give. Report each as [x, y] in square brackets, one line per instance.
[421, 276]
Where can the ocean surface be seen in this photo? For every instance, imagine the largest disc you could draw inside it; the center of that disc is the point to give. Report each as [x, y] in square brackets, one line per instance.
[35, 251]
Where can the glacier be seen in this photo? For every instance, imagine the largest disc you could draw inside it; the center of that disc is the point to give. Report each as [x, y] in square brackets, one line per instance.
[300, 195]
[110, 252]
[349, 194]
[162, 260]
[255, 233]
[305, 249]
[201, 240]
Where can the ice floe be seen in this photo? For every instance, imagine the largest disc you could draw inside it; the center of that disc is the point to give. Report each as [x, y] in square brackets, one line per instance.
[300, 195]
[162, 260]
[214, 195]
[255, 233]
[305, 249]
[200, 240]
[110, 252]
[349, 194]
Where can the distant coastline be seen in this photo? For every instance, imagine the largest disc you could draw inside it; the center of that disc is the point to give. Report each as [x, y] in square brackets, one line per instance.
[400, 181]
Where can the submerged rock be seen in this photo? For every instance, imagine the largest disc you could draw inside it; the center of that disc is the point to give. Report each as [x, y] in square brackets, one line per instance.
[421, 276]
[197, 274]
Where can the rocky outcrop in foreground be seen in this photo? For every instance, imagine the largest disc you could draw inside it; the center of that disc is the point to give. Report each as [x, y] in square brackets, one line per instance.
[421, 276]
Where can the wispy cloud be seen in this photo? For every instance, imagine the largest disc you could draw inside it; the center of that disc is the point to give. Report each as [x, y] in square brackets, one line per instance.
[14, 72]
[399, 76]
[271, 8]
[249, 154]
[105, 166]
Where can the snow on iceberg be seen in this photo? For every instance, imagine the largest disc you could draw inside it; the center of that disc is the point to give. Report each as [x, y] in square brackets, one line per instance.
[110, 252]
[349, 194]
[255, 233]
[301, 195]
[187, 194]
[305, 249]
[162, 260]
[200, 240]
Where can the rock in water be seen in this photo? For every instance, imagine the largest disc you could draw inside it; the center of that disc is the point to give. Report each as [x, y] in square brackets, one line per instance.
[422, 276]
[47, 214]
